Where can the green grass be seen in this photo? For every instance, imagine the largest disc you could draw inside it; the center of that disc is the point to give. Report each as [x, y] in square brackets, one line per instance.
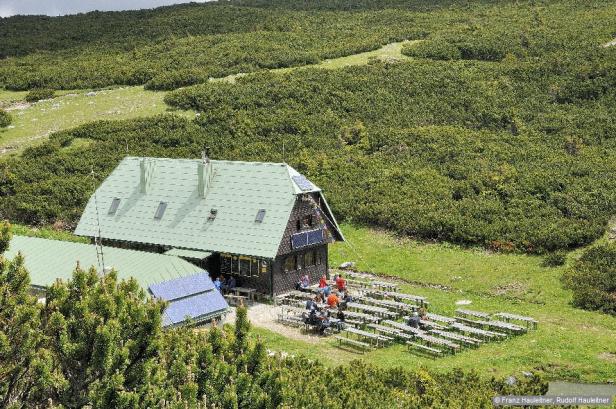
[46, 233]
[392, 51]
[73, 108]
[568, 344]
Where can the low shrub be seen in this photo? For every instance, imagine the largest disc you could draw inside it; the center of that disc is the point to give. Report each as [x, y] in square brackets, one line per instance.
[434, 49]
[5, 119]
[555, 259]
[593, 279]
[38, 94]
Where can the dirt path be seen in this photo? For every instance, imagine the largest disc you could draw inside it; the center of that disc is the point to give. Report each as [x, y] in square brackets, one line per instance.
[264, 316]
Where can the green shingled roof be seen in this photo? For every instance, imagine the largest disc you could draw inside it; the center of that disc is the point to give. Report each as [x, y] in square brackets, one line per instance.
[236, 191]
[47, 260]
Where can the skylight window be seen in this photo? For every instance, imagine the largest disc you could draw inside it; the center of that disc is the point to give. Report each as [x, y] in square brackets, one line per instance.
[260, 216]
[160, 211]
[115, 203]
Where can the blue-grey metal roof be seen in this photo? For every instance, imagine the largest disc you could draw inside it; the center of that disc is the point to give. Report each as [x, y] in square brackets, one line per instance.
[182, 287]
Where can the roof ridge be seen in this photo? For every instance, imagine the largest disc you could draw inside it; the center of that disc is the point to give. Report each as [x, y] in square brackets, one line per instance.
[197, 160]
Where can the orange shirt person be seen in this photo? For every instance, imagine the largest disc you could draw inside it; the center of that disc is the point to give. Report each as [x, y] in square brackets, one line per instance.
[340, 283]
[332, 300]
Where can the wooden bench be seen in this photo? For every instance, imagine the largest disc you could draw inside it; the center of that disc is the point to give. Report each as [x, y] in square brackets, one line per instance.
[353, 342]
[235, 299]
[291, 320]
[531, 323]
[432, 351]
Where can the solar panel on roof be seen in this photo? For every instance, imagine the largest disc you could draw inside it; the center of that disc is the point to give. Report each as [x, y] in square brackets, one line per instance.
[303, 183]
[260, 216]
[195, 307]
[307, 238]
[315, 236]
[182, 287]
[115, 203]
[160, 211]
[299, 240]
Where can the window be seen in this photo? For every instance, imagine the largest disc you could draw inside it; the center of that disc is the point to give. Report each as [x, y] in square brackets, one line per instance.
[212, 215]
[318, 257]
[289, 263]
[299, 224]
[160, 211]
[115, 203]
[309, 259]
[244, 267]
[260, 216]
[235, 264]
[299, 261]
[307, 221]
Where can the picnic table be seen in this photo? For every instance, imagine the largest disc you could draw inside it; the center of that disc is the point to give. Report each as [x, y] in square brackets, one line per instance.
[249, 292]
[365, 318]
[499, 325]
[470, 313]
[440, 318]
[427, 324]
[390, 331]
[404, 327]
[399, 307]
[407, 297]
[379, 311]
[457, 337]
[384, 285]
[531, 323]
[439, 341]
[379, 340]
[477, 331]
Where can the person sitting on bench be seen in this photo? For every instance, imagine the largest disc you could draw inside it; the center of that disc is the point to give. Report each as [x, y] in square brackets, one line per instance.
[324, 323]
[231, 284]
[340, 283]
[218, 284]
[303, 284]
[332, 301]
[414, 320]
[323, 281]
[312, 304]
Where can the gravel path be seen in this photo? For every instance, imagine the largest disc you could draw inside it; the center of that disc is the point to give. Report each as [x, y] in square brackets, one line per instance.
[264, 316]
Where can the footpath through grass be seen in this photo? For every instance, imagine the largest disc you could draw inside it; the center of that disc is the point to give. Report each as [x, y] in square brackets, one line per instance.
[569, 344]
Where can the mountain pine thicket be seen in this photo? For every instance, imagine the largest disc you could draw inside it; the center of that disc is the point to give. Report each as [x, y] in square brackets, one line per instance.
[499, 132]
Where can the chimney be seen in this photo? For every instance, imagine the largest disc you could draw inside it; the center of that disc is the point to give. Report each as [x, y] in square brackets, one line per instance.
[146, 169]
[142, 181]
[204, 173]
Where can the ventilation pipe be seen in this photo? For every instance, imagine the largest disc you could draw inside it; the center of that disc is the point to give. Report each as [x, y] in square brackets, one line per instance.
[204, 172]
[146, 169]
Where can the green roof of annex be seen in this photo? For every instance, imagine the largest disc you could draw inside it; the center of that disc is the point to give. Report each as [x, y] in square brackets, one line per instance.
[196, 204]
[48, 260]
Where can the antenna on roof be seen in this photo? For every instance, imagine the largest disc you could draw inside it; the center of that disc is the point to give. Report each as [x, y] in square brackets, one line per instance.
[98, 241]
[205, 154]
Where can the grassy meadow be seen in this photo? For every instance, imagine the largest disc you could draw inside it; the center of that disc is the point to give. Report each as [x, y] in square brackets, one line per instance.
[32, 123]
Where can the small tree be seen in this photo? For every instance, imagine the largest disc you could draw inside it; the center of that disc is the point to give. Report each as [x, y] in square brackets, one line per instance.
[105, 337]
[5, 119]
[38, 94]
[593, 279]
[25, 373]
